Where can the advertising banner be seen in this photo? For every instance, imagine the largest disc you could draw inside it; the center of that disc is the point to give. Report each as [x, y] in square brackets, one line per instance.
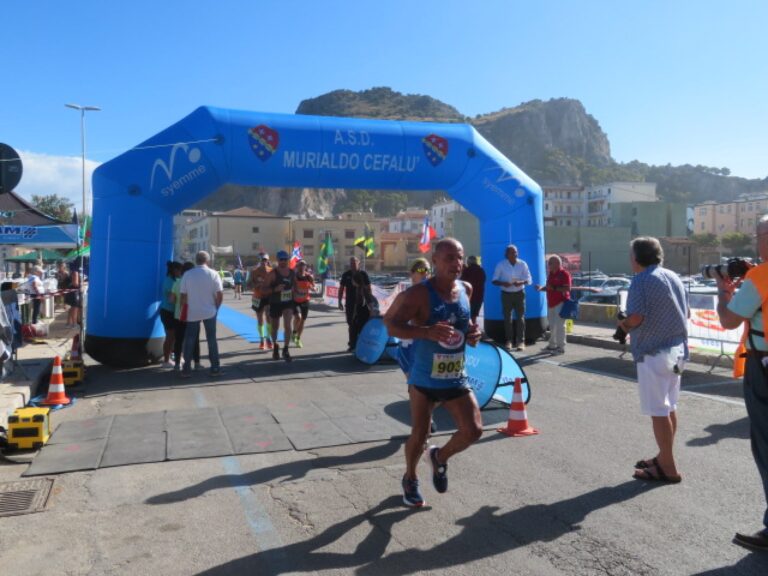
[705, 334]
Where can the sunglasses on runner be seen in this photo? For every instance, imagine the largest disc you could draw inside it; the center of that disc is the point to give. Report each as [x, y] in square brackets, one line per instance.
[420, 270]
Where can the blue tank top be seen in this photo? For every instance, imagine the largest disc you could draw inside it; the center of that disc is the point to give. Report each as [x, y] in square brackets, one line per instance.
[441, 364]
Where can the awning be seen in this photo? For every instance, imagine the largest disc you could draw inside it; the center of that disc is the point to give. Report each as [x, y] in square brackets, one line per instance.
[44, 255]
[57, 236]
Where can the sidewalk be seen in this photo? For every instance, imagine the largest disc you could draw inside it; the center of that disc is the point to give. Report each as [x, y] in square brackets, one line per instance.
[601, 336]
[34, 365]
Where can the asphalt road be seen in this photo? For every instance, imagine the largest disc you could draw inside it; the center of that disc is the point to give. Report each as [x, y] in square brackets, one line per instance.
[561, 503]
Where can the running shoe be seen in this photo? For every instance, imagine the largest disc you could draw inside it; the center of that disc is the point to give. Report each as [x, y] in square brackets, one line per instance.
[269, 344]
[276, 352]
[411, 494]
[215, 371]
[286, 355]
[298, 343]
[167, 365]
[262, 345]
[439, 471]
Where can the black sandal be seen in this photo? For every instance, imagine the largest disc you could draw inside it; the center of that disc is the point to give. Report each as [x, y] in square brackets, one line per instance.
[648, 474]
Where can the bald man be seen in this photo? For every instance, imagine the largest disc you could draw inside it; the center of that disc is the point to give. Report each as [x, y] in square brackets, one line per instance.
[436, 316]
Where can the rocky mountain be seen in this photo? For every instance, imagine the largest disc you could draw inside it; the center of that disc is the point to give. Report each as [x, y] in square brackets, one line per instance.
[556, 142]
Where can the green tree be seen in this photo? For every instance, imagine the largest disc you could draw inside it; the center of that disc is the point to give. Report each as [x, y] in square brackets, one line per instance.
[707, 239]
[390, 203]
[54, 205]
[737, 243]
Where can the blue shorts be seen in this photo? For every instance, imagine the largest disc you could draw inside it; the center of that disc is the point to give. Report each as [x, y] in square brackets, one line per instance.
[405, 358]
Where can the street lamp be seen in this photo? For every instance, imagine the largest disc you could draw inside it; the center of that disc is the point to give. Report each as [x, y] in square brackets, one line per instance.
[83, 110]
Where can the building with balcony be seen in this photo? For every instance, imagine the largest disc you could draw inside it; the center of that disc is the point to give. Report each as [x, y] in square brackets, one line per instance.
[247, 230]
[440, 213]
[564, 206]
[740, 215]
[344, 230]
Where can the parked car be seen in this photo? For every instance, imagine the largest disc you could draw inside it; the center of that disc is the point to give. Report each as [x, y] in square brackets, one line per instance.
[609, 285]
[227, 279]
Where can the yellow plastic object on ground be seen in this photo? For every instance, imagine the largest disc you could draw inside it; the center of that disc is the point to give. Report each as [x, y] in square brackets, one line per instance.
[73, 372]
[28, 428]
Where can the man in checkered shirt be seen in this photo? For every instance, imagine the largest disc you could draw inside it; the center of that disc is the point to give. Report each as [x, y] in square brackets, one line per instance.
[657, 320]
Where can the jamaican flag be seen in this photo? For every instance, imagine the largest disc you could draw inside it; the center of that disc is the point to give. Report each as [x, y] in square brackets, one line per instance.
[366, 241]
[325, 255]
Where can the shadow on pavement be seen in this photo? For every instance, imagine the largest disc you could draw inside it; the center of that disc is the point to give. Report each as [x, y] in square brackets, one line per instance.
[288, 471]
[736, 429]
[484, 534]
[103, 380]
[756, 564]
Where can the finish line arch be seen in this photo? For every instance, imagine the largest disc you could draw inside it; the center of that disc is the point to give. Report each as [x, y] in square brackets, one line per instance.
[136, 195]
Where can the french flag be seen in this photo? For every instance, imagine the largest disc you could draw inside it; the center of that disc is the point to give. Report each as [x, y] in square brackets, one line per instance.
[295, 255]
[427, 233]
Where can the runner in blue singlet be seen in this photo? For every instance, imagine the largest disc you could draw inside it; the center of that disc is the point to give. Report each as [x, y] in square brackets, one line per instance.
[436, 315]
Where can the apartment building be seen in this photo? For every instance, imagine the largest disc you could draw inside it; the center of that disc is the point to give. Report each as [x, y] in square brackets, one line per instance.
[344, 230]
[564, 206]
[440, 213]
[721, 218]
[247, 230]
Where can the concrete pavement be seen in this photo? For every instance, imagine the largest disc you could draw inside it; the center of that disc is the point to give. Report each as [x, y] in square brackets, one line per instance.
[561, 503]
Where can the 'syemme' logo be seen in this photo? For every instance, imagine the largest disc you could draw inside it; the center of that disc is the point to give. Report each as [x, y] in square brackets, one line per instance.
[193, 156]
[436, 148]
[264, 141]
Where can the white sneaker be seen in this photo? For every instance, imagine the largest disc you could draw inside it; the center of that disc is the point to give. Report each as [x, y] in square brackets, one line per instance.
[167, 365]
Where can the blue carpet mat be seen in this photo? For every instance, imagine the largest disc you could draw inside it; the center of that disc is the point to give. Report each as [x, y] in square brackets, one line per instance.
[244, 325]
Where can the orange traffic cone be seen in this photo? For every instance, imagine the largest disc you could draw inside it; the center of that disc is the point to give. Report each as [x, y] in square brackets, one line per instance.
[56, 393]
[75, 352]
[517, 425]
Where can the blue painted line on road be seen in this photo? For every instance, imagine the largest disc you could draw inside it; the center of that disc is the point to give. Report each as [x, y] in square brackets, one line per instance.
[256, 515]
[244, 325]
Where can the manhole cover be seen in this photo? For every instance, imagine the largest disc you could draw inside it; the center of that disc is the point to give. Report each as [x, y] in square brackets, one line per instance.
[24, 497]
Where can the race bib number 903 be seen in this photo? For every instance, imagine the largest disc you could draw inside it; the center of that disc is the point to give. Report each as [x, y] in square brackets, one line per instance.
[447, 366]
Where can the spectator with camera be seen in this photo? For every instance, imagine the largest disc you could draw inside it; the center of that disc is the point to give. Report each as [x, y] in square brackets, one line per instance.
[657, 321]
[748, 306]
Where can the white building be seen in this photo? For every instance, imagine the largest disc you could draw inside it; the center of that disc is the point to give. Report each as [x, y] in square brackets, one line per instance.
[600, 198]
[564, 206]
[439, 215]
[410, 220]
[580, 206]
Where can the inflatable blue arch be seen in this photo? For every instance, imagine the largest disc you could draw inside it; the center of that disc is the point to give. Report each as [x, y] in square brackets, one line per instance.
[136, 195]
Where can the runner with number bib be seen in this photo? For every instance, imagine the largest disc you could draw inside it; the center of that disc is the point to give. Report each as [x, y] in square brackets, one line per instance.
[280, 282]
[257, 282]
[436, 315]
[302, 286]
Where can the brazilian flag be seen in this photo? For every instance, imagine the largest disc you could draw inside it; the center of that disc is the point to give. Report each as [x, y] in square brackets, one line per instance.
[366, 242]
[325, 255]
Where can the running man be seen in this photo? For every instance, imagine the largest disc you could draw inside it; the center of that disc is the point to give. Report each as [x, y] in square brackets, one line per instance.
[280, 285]
[257, 282]
[239, 277]
[302, 286]
[436, 315]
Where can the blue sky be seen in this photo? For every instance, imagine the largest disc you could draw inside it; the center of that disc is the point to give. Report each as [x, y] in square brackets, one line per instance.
[669, 81]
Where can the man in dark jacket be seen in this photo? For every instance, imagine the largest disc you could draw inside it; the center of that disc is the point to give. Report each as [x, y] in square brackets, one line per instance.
[475, 275]
[348, 287]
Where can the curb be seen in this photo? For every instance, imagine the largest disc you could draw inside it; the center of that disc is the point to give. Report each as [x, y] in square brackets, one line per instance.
[695, 357]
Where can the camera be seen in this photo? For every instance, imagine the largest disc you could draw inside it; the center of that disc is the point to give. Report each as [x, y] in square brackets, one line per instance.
[734, 268]
[620, 334]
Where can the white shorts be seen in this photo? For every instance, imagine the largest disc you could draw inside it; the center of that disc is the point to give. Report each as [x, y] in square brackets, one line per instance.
[658, 384]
